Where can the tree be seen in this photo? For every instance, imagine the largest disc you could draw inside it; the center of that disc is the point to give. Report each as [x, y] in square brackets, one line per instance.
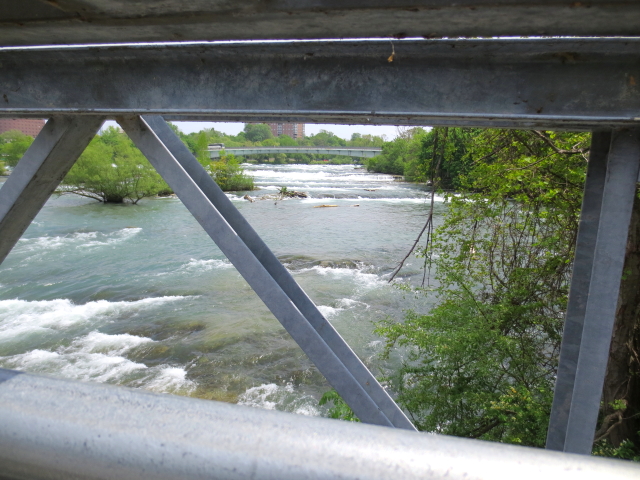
[399, 154]
[279, 158]
[13, 145]
[326, 139]
[410, 154]
[202, 149]
[257, 132]
[286, 141]
[359, 140]
[113, 170]
[482, 362]
[228, 174]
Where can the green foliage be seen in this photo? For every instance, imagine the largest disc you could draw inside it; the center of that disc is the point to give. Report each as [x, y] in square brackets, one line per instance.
[3, 170]
[482, 362]
[325, 139]
[228, 174]
[287, 141]
[627, 450]
[113, 170]
[359, 140]
[340, 410]
[202, 151]
[406, 149]
[279, 158]
[257, 132]
[13, 144]
[411, 153]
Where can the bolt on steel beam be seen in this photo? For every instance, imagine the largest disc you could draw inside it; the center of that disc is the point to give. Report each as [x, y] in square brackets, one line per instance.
[252, 269]
[39, 172]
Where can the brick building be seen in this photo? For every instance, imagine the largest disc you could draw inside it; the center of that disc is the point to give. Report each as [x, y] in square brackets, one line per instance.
[294, 130]
[28, 126]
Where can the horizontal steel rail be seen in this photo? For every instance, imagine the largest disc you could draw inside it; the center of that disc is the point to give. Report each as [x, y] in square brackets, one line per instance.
[519, 83]
[345, 151]
[38, 22]
[60, 429]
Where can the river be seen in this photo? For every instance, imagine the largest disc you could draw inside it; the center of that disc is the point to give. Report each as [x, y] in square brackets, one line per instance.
[138, 295]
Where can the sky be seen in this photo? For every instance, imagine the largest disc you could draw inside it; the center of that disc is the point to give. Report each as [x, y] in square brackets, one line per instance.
[343, 131]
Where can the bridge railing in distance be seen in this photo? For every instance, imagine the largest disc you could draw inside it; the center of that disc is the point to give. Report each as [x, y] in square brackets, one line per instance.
[361, 152]
[61, 429]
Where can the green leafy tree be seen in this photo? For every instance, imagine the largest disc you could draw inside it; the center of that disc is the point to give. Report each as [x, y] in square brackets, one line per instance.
[482, 362]
[359, 140]
[411, 154]
[257, 132]
[286, 141]
[202, 149]
[279, 158]
[113, 170]
[229, 175]
[13, 145]
[325, 138]
[397, 155]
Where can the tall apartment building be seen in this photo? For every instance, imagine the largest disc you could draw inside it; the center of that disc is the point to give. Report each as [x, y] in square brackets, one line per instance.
[294, 130]
[28, 126]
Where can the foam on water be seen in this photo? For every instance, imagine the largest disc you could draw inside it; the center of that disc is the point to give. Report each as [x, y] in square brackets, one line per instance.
[360, 199]
[328, 311]
[350, 303]
[168, 379]
[77, 239]
[19, 317]
[358, 276]
[205, 265]
[273, 397]
[100, 357]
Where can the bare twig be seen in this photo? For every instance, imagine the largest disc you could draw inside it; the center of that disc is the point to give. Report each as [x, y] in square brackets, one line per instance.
[428, 226]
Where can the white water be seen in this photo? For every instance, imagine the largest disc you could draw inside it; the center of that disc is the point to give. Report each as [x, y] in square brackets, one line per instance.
[139, 295]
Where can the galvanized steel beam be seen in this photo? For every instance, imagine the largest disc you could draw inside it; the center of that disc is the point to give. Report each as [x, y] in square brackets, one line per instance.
[611, 230]
[38, 22]
[65, 430]
[39, 172]
[579, 291]
[520, 83]
[278, 272]
[284, 306]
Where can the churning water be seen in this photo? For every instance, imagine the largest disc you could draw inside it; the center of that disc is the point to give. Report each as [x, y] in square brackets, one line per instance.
[138, 295]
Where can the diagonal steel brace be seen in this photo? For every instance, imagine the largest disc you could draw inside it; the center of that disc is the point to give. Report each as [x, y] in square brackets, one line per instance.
[39, 172]
[264, 273]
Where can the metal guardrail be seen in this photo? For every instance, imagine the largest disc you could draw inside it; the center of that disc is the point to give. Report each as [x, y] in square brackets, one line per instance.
[61, 429]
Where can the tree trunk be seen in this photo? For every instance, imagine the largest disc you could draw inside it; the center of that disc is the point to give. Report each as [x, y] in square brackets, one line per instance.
[622, 382]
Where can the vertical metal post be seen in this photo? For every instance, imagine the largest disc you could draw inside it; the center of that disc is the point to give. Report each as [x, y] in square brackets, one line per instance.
[253, 271]
[279, 273]
[39, 172]
[623, 163]
[580, 283]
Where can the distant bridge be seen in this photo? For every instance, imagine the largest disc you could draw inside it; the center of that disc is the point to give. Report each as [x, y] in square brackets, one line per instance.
[364, 152]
